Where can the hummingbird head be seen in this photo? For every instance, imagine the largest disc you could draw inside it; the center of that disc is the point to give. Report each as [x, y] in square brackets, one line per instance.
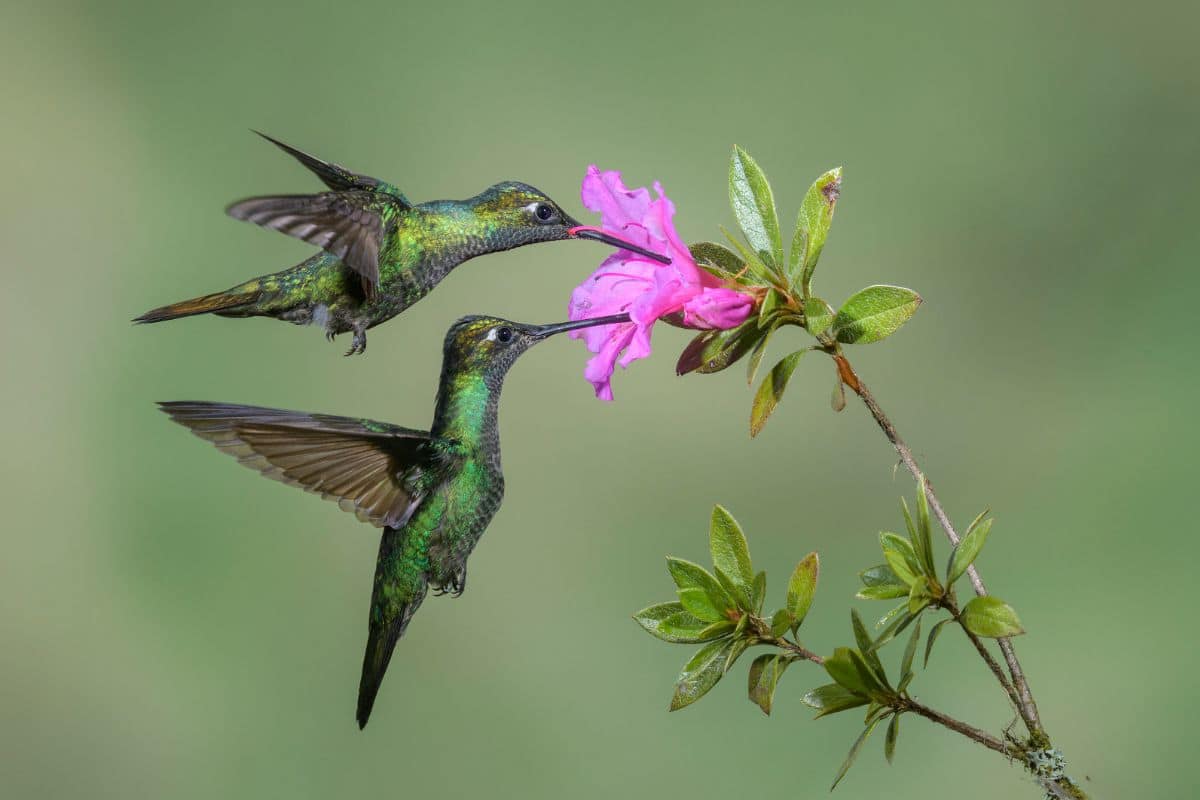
[490, 345]
[520, 214]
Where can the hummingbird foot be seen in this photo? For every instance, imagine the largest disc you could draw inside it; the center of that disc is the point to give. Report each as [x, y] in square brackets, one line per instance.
[455, 585]
[359, 343]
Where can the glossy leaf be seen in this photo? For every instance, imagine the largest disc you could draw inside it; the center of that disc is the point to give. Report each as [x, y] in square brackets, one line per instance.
[754, 263]
[693, 576]
[967, 551]
[933, 634]
[840, 667]
[718, 259]
[866, 647]
[758, 591]
[770, 391]
[900, 556]
[781, 621]
[697, 602]
[754, 206]
[738, 591]
[765, 672]
[923, 543]
[888, 592]
[818, 315]
[728, 546]
[874, 313]
[812, 227]
[651, 617]
[854, 750]
[889, 741]
[713, 351]
[901, 620]
[801, 588]
[739, 646]
[701, 673]
[918, 595]
[880, 575]
[832, 698]
[991, 617]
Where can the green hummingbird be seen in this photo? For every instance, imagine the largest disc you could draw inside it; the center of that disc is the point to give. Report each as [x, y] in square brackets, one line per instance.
[433, 492]
[381, 253]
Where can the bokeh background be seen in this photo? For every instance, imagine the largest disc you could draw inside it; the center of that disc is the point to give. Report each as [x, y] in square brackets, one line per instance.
[174, 626]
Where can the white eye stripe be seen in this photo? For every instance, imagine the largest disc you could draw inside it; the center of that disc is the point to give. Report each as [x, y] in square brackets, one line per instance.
[492, 334]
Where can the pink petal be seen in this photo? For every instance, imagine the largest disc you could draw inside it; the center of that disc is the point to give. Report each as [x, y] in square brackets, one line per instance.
[717, 308]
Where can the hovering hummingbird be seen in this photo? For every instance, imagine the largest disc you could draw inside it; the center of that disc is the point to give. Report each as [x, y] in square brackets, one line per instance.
[381, 252]
[433, 492]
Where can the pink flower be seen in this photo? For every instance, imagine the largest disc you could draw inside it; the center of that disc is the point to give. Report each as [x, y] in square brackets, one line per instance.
[648, 290]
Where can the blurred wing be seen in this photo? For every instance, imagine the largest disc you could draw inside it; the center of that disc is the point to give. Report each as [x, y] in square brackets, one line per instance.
[381, 472]
[348, 224]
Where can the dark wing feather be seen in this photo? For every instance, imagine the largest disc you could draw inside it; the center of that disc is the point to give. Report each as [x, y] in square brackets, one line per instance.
[381, 472]
[347, 224]
[334, 176]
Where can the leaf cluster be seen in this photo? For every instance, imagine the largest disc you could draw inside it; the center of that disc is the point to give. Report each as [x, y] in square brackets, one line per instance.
[757, 262]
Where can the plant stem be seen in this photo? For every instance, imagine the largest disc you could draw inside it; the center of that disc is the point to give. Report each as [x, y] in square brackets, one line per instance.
[1024, 697]
[970, 731]
[985, 654]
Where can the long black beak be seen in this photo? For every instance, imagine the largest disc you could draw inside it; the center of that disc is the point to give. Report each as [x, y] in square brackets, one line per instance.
[580, 232]
[542, 331]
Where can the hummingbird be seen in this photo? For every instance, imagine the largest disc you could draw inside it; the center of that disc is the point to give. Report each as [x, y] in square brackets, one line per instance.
[432, 492]
[380, 253]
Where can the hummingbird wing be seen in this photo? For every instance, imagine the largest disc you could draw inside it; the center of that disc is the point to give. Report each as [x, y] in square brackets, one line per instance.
[336, 177]
[349, 224]
[379, 471]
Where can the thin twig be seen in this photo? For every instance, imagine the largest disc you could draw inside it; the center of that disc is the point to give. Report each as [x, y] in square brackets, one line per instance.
[985, 654]
[1024, 700]
[970, 731]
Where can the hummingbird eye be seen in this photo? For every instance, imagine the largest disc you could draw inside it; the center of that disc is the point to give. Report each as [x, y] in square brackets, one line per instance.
[504, 335]
[544, 213]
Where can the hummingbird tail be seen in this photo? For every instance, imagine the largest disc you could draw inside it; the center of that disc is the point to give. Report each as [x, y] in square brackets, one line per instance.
[223, 303]
[389, 618]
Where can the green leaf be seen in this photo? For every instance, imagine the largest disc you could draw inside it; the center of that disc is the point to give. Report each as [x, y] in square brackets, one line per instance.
[754, 206]
[840, 667]
[801, 587]
[739, 592]
[889, 617]
[910, 652]
[812, 227]
[933, 634]
[717, 259]
[693, 576]
[739, 646]
[889, 741]
[867, 648]
[874, 313]
[781, 621]
[713, 351]
[857, 746]
[918, 595]
[770, 391]
[967, 551]
[754, 264]
[832, 698]
[672, 623]
[765, 672]
[759, 591]
[701, 673]
[770, 304]
[818, 315]
[991, 617]
[652, 617]
[923, 543]
[900, 556]
[889, 592]
[729, 549]
[897, 625]
[881, 575]
[699, 604]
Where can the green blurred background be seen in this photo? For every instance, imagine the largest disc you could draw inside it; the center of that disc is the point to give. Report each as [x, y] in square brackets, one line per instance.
[175, 626]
